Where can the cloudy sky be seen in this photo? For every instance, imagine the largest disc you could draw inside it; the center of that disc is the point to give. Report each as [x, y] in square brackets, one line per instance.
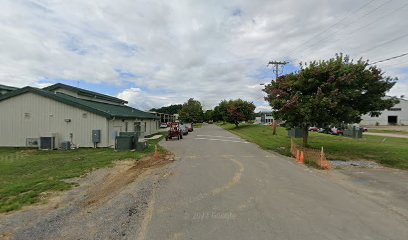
[154, 53]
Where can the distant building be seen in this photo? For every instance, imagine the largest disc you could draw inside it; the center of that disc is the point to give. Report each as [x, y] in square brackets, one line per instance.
[397, 115]
[265, 118]
[165, 118]
[68, 113]
[6, 89]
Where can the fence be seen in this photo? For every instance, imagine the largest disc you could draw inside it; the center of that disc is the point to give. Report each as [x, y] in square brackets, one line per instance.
[314, 156]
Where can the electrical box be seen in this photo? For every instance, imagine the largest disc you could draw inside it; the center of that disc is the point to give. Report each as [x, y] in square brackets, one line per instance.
[96, 136]
[136, 135]
[354, 132]
[141, 145]
[295, 132]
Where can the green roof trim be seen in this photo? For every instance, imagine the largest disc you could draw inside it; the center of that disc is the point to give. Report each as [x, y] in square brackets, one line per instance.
[107, 110]
[85, 92]
[8, 88]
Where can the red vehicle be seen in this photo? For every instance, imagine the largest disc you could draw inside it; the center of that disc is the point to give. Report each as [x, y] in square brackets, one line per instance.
[175, 131]
[190, 127]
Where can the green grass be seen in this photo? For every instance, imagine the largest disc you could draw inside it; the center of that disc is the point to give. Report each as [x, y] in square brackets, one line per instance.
[392, 152]
[387, 131]
[26, 173]
[197, 125]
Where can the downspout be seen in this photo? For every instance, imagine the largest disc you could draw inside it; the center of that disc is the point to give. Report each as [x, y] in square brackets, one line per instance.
[107, 133]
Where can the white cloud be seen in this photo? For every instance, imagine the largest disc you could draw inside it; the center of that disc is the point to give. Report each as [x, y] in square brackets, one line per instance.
[209, 50]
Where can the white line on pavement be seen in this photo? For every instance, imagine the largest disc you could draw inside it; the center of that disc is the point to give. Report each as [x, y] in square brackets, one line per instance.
[222, 140]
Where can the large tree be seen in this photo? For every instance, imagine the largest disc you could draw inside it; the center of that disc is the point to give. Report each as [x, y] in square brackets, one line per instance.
[235, 111]
[191, 111]
[336, 91]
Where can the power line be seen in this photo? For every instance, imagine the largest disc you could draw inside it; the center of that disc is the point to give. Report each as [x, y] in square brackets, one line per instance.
[335, 31]
[388, 59]
[378, 19]
[384, 43]
[331, 26]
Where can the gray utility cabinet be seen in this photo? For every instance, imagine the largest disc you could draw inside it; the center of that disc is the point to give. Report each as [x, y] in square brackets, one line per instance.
[124, 143]
[96, 136]
[295, 132]
[129, 140]
[354, 132]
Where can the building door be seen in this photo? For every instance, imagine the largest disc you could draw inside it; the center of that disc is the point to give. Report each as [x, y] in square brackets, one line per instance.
[116, 131]
[392, 120]
[138, 127]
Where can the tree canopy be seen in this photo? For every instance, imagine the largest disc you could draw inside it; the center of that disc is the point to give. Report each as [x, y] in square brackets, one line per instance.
[234, 111]
[172, 109]
[336, 91]
[191, 111]
[208, 115]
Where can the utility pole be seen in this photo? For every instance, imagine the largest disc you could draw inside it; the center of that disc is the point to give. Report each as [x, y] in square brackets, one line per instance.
[277, 64]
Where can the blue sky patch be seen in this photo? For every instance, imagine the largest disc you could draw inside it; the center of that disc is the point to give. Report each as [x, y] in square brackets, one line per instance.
[74, 44]
[237, 12]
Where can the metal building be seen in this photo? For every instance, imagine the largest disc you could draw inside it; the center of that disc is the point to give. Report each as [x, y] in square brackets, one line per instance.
[69, 114]
[397, 115]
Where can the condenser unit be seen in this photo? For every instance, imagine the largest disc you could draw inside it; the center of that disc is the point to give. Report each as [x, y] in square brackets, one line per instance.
[48, 142]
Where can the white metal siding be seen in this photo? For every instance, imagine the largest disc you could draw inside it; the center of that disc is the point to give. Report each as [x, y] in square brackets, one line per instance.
[383, 118]
[47, 116]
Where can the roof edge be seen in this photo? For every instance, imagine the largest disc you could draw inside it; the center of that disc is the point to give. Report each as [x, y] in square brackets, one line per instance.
[84, 92]
[54, 97]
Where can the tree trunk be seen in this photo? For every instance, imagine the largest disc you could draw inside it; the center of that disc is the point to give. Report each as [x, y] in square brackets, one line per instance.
[305, 135]
[236, 123]
[274, 127]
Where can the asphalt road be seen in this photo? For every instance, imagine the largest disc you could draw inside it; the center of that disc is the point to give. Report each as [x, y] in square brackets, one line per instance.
[222, 187]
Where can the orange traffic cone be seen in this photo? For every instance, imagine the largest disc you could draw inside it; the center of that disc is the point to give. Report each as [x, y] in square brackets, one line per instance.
[156, 153]
[302, 158]
[297, 155]
[324, 164]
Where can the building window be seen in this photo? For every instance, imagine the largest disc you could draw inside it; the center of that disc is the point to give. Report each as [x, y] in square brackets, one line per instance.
[395, 109]
[126, 126]
[145, 126]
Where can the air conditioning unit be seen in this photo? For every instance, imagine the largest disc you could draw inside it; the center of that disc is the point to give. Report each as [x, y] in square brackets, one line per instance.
[48, 141]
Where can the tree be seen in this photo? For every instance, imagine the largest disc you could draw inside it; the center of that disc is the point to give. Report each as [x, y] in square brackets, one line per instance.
[220, 111]
[172, 109]
[191, 111]
[336, 91]
[235, 111]
[208, 115]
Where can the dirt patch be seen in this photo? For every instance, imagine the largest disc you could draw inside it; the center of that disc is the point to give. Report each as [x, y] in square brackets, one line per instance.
[125, 173]
[108, 203]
